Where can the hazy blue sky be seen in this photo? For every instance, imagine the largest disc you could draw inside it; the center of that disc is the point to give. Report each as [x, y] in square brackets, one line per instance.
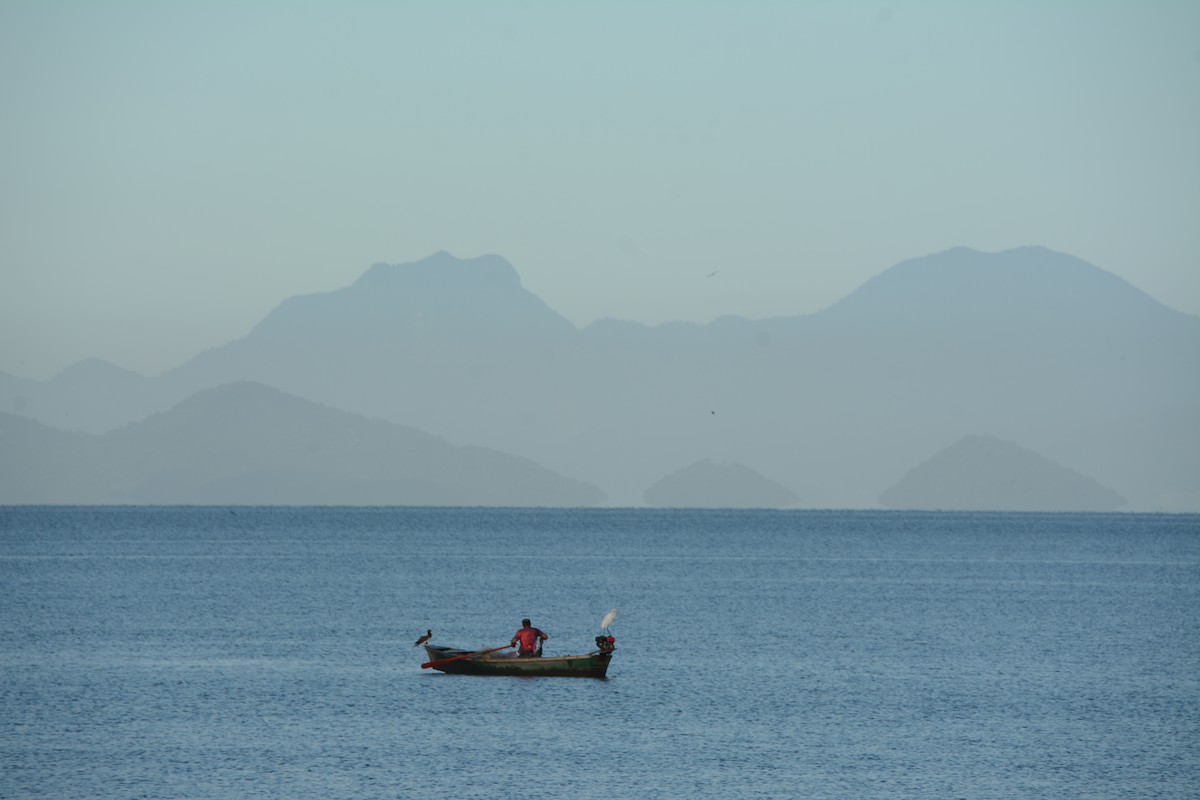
[169, 172]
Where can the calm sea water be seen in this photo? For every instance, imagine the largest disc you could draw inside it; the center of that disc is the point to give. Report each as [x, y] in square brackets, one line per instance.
[244, 653]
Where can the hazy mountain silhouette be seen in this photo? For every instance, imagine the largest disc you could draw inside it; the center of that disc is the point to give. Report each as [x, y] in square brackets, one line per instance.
[249, 444]
[92, 395]
[37, 462]
[708, 485]
[1031, 345]
[982, 472]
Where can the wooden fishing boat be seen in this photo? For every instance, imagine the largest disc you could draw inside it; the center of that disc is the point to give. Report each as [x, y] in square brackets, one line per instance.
[467, 662]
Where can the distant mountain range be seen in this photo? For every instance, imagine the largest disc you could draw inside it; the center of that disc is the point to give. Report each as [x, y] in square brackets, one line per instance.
[1026, 345]
[245, 443]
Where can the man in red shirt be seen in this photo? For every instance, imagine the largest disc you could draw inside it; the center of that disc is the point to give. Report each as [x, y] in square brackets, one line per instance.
[529, 640]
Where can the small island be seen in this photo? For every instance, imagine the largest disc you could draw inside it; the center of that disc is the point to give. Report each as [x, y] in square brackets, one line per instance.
[706, 484]
[983, 473]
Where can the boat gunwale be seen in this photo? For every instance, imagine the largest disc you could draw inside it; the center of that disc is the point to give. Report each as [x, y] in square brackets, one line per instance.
[436, 653]
[585, 665]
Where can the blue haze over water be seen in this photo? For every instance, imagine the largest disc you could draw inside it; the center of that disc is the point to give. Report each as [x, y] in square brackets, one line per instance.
[267, 652]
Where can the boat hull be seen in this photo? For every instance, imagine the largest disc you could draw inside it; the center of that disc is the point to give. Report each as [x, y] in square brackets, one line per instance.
[591, 665]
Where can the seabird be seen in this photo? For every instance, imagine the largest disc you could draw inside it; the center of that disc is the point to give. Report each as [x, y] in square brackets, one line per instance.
[423, 639]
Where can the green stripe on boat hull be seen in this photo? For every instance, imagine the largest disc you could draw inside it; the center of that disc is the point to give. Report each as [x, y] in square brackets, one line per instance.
[592, 665]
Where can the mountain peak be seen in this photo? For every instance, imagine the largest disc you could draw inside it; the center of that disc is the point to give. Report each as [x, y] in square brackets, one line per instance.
[92, 368]
[978, 284]
[443, 271]
[391, 302]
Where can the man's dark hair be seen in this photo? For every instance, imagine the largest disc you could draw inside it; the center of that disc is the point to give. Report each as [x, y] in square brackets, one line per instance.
[526, 621]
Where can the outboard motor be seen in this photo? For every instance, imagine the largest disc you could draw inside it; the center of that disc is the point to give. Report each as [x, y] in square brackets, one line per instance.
[606, 644]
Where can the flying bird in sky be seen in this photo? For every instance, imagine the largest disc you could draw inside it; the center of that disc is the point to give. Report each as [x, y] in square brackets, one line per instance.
[428, 635]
